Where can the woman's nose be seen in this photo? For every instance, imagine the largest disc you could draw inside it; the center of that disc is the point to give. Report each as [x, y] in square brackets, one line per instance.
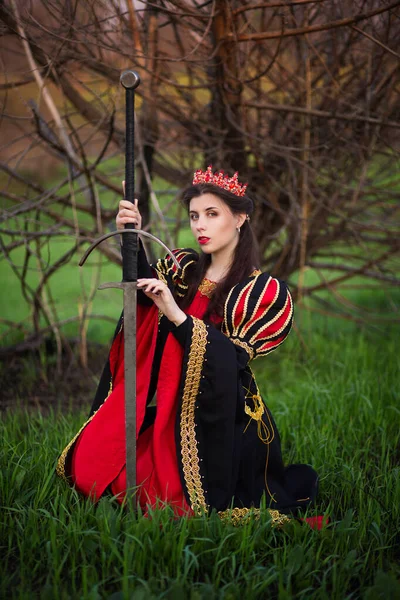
[200, 225]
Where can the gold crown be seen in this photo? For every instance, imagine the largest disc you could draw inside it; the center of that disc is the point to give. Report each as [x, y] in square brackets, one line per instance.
[231, 184]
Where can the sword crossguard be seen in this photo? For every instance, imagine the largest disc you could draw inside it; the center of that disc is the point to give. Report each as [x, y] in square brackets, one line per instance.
[114, 284]
[124, 232]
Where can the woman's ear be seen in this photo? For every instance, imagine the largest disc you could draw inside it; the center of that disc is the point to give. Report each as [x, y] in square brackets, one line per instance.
[240, 219]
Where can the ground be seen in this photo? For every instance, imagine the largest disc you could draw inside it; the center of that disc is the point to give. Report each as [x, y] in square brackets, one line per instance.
[31, 380]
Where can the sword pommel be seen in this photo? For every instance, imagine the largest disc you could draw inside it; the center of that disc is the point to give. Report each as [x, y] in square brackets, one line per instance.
[130, 79]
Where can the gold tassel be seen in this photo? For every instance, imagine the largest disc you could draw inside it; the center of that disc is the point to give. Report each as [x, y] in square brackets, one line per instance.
[265, 434]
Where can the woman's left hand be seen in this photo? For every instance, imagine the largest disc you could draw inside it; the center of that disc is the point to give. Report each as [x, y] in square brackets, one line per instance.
[162, 297]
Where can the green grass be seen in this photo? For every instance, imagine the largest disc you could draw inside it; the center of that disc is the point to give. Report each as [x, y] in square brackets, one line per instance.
[336, 403]
[334, 394]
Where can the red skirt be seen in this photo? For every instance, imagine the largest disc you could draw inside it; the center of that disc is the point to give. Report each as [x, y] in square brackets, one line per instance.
[98, 459]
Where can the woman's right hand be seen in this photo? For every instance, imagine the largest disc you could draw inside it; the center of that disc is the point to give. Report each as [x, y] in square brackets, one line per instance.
[128, 213]
[162, 297]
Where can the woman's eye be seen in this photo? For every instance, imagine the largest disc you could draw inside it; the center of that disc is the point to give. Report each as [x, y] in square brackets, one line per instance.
[212, 214]
[193, 217]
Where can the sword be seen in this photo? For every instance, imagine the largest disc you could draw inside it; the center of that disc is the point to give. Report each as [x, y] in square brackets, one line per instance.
[130, 80]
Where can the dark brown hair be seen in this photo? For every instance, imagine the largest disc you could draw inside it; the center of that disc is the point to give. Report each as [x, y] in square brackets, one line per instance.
[245, 258]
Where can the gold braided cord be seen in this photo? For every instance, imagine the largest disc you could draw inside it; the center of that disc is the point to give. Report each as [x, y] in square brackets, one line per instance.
[177, 277]
[162, 277]
[189, 262]
[190, 455]
[238, 516]
[246, 291]
[261, 352]
[244, 345]
[264, 434]
[278, 315]
[165, 269]
[251, 318]
[265, 429]
[207, 287]
[181, 288]
[225, 328]
[281, 329]
[60, 468]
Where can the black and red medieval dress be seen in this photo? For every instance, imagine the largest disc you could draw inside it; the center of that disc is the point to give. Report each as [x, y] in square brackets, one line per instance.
[205, 440]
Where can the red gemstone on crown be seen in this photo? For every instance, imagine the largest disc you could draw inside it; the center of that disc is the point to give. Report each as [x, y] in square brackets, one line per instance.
[225, 182]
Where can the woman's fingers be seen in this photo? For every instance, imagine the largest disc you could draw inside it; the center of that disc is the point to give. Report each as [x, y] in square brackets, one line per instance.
[162, 297]
[128, 205]
[128, 212]
[151, 286]
[127, 201]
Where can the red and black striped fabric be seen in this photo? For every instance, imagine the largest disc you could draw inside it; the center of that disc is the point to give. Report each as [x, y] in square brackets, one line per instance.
[258, 314]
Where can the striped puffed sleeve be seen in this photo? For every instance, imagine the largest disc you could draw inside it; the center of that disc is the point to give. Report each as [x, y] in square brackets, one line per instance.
[166, 270]
[258, 314]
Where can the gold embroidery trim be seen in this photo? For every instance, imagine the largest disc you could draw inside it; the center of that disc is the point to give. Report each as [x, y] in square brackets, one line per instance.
[165, 268]
[259, 408]
[265, 431]
[225, 328]
[246, 292]
[207, 287]
[238, 516]
[183, 269]
[190, 455]
[244, 345]
[162, 277]
[60, 468]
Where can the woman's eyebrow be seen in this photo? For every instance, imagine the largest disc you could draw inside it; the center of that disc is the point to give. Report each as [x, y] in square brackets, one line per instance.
[205, 210]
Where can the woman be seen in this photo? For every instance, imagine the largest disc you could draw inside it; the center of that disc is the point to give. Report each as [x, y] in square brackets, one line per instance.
[206, 440]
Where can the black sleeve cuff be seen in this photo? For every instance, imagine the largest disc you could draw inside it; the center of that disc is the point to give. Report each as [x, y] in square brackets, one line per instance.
[182, 331]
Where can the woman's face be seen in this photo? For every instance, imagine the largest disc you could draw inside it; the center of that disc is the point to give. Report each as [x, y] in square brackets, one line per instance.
[213, 224]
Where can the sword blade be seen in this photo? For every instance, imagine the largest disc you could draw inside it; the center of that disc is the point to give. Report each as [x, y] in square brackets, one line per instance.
[130, 303]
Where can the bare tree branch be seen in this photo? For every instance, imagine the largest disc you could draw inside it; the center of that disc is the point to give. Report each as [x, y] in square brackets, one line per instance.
[294, 95]
[258, 37]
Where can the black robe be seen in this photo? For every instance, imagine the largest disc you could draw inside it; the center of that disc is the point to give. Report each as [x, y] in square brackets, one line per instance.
[227, 445]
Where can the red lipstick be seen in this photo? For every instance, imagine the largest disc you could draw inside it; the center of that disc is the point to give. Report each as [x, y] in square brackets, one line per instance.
[203, 240]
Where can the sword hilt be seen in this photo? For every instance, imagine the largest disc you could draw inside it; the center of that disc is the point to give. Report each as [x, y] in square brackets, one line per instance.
[130, 80]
